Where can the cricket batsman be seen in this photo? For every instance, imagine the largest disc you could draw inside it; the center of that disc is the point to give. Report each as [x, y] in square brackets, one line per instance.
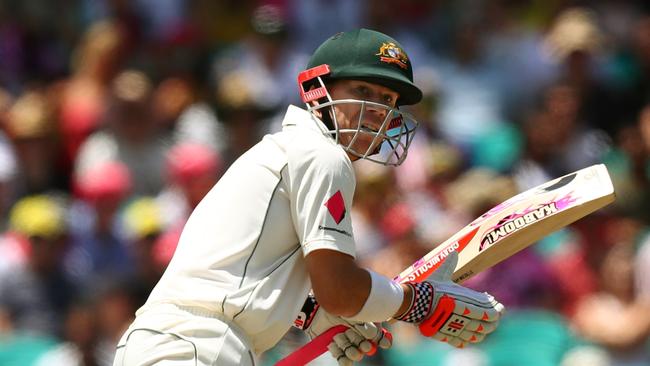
[271, 245]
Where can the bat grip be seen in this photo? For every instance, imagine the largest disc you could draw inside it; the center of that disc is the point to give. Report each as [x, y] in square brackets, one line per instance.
[313, 349]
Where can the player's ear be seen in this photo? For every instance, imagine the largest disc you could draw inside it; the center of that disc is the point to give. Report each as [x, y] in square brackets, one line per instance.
[316, 111]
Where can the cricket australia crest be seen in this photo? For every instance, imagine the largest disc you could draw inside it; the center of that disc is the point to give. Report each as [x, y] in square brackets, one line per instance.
[389, 52]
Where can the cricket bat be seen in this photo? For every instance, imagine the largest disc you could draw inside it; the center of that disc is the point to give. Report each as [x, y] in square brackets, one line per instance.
[498, 234]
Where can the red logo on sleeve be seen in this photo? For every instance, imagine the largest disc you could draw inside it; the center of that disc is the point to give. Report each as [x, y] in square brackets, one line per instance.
[336, 206]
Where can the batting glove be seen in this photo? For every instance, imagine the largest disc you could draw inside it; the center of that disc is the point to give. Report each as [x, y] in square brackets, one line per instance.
[449, 312]
[347, 347]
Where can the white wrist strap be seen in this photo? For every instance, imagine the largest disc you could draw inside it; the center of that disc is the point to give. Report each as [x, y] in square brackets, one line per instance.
[383, 302]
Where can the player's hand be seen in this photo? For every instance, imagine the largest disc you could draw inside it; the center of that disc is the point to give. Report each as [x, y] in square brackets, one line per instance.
[452, 313]
[360, 340]
[347, 347]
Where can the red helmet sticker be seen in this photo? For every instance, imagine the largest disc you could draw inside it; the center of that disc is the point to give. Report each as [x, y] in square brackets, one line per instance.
[336, 206]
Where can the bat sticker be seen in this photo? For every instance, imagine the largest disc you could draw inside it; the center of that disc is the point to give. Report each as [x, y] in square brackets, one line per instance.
[560, 183]
[513, 223]
[556, 184]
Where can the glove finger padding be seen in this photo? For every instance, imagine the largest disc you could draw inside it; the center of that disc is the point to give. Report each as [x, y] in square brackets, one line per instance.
[339, 355]
[361, 343]
[469, 303]
[375, 335]
[456, 342]
[360, 340]
[481, 327]
[350, 350]
[452, 340]
[369, 331]
[384, 340]
[471, 337]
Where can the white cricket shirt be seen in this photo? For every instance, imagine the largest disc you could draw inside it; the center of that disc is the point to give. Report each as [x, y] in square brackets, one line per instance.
[241, 251]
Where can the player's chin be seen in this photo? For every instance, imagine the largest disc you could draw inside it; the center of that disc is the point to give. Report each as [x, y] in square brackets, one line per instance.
[367, 147]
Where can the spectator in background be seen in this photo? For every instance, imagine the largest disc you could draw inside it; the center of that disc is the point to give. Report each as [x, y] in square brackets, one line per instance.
[266, 59]
[8, 171]
[576, 42]
[11, 245]
[241, 114]
[629, 163]
[398, 226]
[80, 333]
[312, 20]
[98, 245]
[33, 43]
[373, 194]
[131, 135]
[91, 326]
[412, 25]
[642, 273]
[82, 96]
[116, 306]
[10, 45]
[192, 169]
[8, 161]
[143, 223]
[442, 164]
[514, 36]
[32, 128]
[471, 91]
[617, 317]
[35, 294]
[185, 117]
[635, 60]
[223, 23]
[558, 141]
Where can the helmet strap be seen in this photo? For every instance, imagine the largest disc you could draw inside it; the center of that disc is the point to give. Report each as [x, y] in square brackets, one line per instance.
[325, 113]
[326, 116]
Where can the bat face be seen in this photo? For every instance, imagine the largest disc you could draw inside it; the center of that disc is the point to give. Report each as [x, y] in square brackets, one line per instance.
[518, 222]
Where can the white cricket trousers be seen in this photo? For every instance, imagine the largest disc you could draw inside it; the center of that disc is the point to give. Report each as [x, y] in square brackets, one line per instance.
[170, 335]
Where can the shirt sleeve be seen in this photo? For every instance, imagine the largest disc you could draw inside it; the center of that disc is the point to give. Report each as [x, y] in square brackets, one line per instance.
[321, 187]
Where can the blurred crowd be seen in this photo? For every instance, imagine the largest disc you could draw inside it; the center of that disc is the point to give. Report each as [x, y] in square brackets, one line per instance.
[117, 116]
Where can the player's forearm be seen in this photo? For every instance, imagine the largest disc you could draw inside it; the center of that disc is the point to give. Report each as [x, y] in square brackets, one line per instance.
[345, 289]
[340, 286]
[406, 301]
[347, 298]
[357, 303]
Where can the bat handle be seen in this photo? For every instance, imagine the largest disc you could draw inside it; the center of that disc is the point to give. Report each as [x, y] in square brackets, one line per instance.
[313, 349]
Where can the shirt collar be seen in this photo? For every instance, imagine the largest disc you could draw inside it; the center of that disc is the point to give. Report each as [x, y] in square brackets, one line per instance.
[297, 116]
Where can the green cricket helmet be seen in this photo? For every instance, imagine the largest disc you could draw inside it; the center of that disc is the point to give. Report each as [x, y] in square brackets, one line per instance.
[373, 57]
